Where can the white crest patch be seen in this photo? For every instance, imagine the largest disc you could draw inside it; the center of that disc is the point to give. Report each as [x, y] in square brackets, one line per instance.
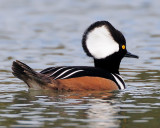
[100, 43]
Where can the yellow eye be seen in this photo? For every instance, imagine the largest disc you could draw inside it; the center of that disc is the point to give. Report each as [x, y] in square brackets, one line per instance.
[123, 46]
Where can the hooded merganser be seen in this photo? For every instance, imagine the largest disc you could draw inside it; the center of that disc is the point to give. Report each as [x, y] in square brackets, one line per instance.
[101, 41]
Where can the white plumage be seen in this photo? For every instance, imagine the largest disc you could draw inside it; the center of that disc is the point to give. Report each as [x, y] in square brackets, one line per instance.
[100, 43]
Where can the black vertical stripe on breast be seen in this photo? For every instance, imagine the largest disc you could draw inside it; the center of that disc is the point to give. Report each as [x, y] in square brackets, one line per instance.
[122, 81]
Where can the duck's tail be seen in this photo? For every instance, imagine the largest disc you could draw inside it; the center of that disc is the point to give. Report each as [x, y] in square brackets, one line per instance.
[28, 75]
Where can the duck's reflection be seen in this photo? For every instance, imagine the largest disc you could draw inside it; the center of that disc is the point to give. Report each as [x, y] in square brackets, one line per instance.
[101, 113]
[94, 108]
[58, 109]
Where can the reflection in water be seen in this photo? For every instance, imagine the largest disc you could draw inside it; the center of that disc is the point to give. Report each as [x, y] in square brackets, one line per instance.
[99, 109]
[102, 114]
[44, 108]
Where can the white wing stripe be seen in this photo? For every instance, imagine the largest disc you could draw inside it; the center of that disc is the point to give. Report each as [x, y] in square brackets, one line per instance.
[71, 74]
[56, 71]
[48, 70]
[119, 82]
[63, 73]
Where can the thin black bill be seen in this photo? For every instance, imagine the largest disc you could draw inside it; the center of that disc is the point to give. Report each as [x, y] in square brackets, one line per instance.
[130, 55]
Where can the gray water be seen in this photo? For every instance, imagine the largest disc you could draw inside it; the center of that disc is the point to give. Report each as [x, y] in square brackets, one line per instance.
[44, 33]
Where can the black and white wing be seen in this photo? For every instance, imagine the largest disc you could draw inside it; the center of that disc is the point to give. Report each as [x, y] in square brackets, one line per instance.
[63, 72]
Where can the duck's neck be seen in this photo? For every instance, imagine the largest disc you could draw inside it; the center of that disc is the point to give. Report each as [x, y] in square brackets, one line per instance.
[110, 65]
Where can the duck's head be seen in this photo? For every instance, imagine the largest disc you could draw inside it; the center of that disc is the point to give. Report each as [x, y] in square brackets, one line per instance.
[105, 44]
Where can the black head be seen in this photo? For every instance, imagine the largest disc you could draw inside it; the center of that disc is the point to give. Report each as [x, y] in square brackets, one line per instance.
[105, 44]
